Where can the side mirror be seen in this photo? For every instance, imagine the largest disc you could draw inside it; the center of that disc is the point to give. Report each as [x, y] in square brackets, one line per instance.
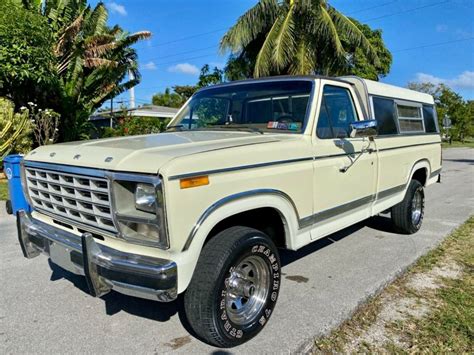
[366, 128]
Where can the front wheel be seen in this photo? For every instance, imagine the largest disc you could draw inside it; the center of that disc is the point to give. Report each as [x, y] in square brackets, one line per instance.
[407, 216]
[234, 288]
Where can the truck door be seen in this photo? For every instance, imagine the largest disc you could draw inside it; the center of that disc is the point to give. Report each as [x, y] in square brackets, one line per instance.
[344, 179]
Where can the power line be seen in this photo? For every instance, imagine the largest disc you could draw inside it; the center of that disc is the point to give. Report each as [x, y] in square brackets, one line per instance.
[370, 8]
[405, 11]
[190, 37]
[214, 46]
[221, 29]
[371, 19]
[362, 10]
[181, 53]
[395, 51]
[188, 59]
[432, 45]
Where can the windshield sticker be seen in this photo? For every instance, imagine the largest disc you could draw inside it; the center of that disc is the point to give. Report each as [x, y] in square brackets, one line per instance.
[291, 126]
[294, 126]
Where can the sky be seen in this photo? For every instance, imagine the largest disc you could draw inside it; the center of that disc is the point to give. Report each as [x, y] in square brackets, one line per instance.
[430, 40]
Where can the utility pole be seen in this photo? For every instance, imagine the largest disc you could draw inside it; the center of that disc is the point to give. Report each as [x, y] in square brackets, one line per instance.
[132, 90]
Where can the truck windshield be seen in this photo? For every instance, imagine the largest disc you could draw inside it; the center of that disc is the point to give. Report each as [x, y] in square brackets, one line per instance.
[273, 106]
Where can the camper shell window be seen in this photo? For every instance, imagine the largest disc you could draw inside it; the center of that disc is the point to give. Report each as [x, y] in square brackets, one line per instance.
[398, 117]
[410, 117]
[430, 119]
[385, 116]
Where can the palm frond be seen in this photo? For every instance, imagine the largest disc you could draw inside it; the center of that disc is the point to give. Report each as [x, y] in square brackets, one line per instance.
[304, 60]
[250, 25]
[353, 33]
[97, 40]
[69, 34]
[327, 32]
[133, 38]
[94, 62]
[263, 63]
[284, 45]
[63, 63]
[100, 50]
[96, 22]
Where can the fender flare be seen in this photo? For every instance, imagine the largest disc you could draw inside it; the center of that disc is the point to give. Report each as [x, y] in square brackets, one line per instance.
[241, 202]
[227, 207]
[420, 164]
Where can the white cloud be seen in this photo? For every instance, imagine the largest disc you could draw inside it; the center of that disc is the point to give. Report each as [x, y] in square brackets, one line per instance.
[184, 68]
[117, 8]
[149, 66]
[465, 80]
[441, 28]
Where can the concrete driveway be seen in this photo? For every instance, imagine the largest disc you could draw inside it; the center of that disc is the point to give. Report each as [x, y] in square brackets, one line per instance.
[44, 309]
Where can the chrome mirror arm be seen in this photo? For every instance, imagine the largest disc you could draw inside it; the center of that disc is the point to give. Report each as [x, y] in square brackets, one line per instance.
[367, 149]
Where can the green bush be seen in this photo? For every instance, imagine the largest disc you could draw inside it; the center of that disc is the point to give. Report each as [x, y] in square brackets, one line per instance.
[131, 126]
[15, 129]
[27, 63]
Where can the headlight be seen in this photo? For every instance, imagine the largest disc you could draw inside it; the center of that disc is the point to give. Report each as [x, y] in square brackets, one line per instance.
[139, 209]
[145, 198]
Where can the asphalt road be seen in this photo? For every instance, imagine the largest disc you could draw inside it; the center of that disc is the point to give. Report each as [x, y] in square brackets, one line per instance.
[44, 309]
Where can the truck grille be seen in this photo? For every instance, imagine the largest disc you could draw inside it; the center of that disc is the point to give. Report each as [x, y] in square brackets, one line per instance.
[79, 198]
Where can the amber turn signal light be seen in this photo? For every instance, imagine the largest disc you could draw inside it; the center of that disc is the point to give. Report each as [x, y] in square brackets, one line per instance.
[194, 182]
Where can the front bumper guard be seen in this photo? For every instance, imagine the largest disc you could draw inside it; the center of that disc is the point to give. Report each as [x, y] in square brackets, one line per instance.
[104, 268]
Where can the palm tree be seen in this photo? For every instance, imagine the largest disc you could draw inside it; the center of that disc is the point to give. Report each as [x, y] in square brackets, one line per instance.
[94, 62]
[294, 37]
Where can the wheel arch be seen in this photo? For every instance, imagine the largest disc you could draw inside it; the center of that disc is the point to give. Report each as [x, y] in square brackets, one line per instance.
[230, 206]
[420, 171]
[244, 202]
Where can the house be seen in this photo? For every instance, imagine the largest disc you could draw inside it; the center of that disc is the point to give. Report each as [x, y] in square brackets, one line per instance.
[105, 119]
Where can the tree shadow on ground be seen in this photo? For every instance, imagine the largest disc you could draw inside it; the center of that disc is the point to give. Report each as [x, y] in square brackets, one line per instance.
[381, 223]
[115, 302]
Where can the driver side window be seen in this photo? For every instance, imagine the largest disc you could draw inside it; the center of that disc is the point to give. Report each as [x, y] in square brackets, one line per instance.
[336, 114]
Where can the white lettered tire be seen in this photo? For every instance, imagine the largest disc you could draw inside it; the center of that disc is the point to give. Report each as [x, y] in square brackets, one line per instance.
[234, 288]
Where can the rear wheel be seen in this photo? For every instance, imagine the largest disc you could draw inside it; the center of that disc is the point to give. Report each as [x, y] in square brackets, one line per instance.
[407, 216]
[234, 288]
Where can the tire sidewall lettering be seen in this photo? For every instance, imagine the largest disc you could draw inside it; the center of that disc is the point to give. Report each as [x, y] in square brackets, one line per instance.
[235, 331]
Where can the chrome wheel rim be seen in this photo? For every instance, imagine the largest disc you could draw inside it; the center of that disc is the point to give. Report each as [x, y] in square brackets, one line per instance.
[416, 207]
[247, 289]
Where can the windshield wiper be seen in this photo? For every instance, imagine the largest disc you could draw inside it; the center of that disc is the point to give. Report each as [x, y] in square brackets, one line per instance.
[174, 127]
[219, 127]
[241, 128]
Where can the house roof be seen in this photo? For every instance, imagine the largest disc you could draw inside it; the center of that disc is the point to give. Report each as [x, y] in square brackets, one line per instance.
[154, 111]
[143, 111]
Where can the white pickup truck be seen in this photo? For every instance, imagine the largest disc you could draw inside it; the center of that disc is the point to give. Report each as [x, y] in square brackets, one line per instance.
[244, 168]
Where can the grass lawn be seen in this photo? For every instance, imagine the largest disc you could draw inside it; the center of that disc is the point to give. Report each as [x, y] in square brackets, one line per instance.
[457, 144]
[430, 309]
[3, 189]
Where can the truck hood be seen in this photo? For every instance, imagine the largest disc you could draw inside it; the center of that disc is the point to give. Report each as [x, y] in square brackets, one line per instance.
[143, 154]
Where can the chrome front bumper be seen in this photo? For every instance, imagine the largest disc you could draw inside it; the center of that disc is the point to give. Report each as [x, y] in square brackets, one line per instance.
[104, 268]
